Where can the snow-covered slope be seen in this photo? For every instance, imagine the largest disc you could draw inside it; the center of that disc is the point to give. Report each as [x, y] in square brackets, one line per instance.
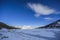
[31, 34]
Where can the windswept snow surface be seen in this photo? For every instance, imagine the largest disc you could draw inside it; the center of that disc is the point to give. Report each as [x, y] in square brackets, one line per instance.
[31, 34]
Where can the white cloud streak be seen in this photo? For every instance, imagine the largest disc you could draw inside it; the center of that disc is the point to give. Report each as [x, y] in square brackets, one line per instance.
[40, 9]
[48, 18]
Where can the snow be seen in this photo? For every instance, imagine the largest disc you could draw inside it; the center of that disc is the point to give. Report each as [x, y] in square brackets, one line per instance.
[30, 34]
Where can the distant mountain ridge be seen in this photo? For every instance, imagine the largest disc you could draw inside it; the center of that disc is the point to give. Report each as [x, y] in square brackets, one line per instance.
[3, 25]
[55, 24]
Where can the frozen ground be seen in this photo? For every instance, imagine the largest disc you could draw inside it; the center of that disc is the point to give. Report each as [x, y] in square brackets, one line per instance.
[32, 34]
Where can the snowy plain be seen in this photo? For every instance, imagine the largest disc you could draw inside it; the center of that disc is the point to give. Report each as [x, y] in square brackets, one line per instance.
[30, 34]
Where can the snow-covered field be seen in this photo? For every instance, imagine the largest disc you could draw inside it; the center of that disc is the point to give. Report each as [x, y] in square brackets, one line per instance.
[31, 34]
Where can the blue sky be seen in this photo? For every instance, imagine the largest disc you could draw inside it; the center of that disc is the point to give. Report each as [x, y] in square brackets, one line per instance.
[29, 12]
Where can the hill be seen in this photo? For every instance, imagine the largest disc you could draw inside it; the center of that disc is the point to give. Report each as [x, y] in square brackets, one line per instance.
[3, 25]
[55, 24]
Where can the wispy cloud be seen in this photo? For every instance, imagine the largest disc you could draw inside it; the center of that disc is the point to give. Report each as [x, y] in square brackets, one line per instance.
[48, 18]
[40, 9]
[57, 12]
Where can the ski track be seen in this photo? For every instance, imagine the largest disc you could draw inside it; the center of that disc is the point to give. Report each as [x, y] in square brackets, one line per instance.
[33, 34]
